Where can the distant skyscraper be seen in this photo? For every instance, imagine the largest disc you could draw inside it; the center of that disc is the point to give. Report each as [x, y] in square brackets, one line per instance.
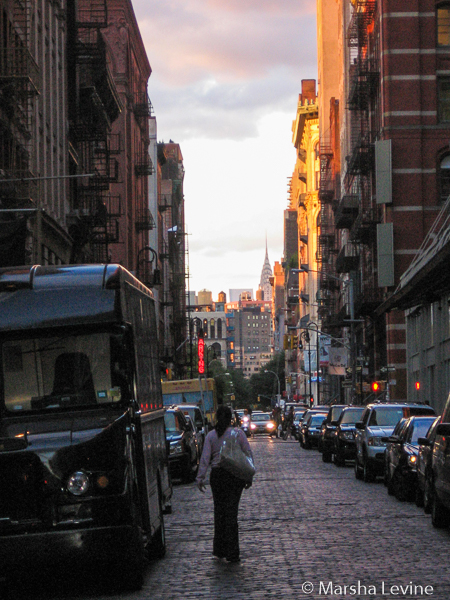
[266, 273]
[236, 293]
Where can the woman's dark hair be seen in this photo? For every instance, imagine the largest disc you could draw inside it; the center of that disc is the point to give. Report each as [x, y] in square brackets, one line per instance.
[223, 416]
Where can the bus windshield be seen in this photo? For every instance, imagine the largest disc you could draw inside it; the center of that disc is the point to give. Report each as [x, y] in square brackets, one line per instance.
[45, 373]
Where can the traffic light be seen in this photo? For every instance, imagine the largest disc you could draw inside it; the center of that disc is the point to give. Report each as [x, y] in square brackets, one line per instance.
[378, 386]
[295, 341]
[417, 385]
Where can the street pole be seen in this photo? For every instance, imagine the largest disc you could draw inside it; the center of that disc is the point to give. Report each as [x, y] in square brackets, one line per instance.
[278, 382]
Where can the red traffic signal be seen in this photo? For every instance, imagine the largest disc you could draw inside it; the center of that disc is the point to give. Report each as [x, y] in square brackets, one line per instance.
[375, 386]
[417, 385]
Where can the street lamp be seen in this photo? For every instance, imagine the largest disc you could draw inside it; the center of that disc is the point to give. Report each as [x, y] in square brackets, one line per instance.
[349, 282]
[278, 381]
[305, 334]
[316, 329]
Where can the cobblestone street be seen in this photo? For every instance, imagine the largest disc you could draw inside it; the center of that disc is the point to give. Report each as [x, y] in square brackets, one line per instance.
[307, 529]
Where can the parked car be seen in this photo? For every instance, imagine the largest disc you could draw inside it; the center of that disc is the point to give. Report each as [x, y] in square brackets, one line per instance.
[440, 476]
[401, 456]
[262, 423]
[379, 420]
[424, 471]
[344, 447]
[316, 410]
[326, 440]
[310, 430]
[298, 415]
[197, 417]
[183, 451]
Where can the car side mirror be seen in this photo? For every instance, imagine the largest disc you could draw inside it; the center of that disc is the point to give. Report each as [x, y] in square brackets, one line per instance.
[443, 429]
[360, 425]
[333, 423]
[423, 441]
[392, 439]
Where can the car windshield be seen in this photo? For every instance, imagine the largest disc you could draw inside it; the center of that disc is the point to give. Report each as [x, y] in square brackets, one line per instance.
[259, 417]
[386, 416]
[317, 420]
[57, 372]
[335, 412]
[351, 416]
[421, 428]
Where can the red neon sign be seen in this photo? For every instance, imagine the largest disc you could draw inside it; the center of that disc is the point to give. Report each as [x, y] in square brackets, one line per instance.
[201, 356]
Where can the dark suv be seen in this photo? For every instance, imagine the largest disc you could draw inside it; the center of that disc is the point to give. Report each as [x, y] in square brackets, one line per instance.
[344, 435]
[378, 421]
[326, 440]
[440, 475]
[183, 451]
[401, 456]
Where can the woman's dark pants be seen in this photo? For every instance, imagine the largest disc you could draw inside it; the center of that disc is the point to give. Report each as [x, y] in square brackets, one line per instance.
[227, 491]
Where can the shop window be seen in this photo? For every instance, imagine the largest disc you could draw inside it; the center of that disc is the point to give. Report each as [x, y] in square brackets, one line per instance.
[444, 178]
[443, 25]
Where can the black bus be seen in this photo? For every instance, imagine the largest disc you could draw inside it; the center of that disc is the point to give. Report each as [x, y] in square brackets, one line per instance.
[83, 458]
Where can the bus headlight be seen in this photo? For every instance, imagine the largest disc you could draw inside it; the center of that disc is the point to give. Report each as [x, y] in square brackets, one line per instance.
[78, 483]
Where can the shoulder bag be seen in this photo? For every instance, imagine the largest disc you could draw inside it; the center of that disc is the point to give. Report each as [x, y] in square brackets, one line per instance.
[234, 460]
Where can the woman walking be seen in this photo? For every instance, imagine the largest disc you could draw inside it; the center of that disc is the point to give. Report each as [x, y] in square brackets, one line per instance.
[226, 488]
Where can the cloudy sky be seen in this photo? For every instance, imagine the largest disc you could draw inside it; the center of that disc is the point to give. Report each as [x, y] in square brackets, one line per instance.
[225, 84]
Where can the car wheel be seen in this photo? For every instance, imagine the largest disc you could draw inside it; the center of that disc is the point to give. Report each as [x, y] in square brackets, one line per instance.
[368, 474]
[338, 460]
[399, 486]
[427, 495]
[189, 471]
[326, 457]
[389, 483]
[419, 499]
[440, 516]
[358, 471]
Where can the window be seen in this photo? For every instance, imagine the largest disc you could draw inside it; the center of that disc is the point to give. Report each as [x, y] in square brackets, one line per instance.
[444, 99]
[443, 25]
[444, 178]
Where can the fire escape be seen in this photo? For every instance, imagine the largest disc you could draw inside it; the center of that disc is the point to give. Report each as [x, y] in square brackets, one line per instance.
[19, 86]
[357, 210]
[172, 257]
[94, 218]
[327, 242]
[148, 268]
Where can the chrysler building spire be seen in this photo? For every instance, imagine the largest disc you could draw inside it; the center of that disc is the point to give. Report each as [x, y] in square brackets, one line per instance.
[266, 273]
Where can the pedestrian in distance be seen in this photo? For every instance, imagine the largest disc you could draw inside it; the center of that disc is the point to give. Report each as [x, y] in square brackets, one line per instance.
[288, 423]
[226, 488]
